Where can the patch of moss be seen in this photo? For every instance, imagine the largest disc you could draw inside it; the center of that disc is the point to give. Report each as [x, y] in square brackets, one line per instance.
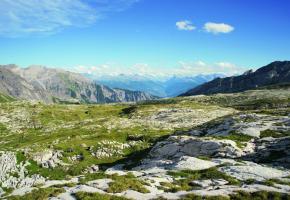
[96, 196]
[20, 157]
[65, 185]
[239, 138]
[183, 179]
[57, 173]
[39, 194]
[269, 183]
[197, 197]
[260, 195]
[273, 133]
[241, 195]
[249, 181]
[5, 98]
[6, 190]
[2, 128]
[277, 181]
[119, 184]
[275, 112]
[127, 182]
[94, 176]
[204, 157]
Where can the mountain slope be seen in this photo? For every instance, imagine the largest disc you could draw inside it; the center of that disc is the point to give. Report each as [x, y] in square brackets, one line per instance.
[275, 73]
[49, 85]
[5, 98]
[14, 85]
[177, 85]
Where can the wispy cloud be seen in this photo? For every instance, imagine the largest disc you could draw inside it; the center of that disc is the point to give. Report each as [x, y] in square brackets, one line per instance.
[183, 68]
[200, 67]
[185, 25]
[217, 28]
[23, 17]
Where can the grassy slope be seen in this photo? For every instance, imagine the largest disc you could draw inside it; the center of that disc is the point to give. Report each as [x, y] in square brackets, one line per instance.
[5, 98]
[73, 127]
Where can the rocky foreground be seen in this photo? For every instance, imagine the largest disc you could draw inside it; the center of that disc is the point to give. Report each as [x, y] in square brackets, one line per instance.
[198, 161]
[226, 154]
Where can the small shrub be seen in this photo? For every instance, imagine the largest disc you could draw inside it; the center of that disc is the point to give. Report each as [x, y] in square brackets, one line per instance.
[2, 128]
[249, 181]
[20, 157]
[129, 110]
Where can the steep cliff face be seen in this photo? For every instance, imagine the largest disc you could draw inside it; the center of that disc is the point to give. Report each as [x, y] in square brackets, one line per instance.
[274, 73]
[14, 85]
[50, 85]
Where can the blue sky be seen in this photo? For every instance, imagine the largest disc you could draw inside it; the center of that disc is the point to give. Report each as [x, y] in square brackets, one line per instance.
[145, 36]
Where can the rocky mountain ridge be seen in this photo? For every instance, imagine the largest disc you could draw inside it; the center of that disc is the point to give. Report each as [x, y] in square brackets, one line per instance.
[54, 85]
[275, 73]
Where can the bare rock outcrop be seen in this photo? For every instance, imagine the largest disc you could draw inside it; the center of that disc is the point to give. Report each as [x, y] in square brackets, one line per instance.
[14, 174]
[177, 146]
[272, 150]
[48, 159]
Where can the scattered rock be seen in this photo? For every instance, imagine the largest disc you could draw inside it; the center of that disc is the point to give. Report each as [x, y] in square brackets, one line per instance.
[117, 169]
[272, 150]
[13, 174]
[177, 146]
[22, 191]
[102, 184]
[250, 124]
[48, 159]
[209, 183]
[1, 192]
[92, 169]
[254, 171]
[192, 163]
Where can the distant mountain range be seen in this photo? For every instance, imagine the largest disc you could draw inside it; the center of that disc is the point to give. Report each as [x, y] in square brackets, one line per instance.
[162, 87]
[54, 85]
[275, 73]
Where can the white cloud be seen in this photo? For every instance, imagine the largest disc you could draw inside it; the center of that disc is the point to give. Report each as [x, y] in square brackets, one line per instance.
[200, 67]
[226, 65]
[185, 25]
[182, 69]
[217, 28]
[23, 17]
